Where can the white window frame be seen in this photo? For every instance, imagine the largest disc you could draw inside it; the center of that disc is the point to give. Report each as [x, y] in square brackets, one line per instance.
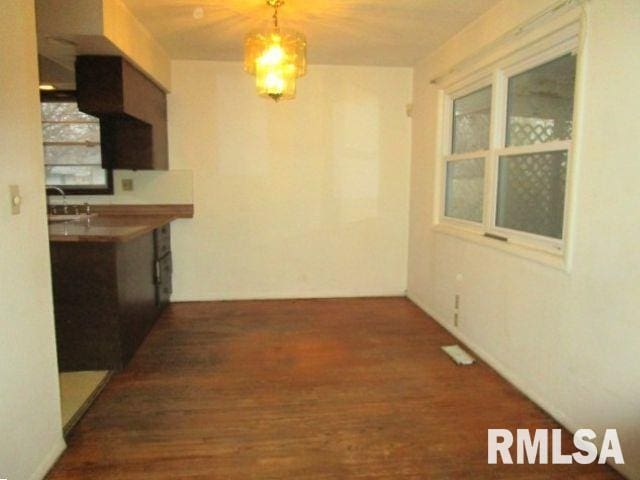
[496, 75]
[448, 156]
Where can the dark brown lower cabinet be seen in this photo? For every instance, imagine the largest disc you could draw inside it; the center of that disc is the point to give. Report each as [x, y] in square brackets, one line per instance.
[106, 299]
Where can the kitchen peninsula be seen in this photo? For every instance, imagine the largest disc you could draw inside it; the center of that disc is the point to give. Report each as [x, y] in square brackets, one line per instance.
[111, 280]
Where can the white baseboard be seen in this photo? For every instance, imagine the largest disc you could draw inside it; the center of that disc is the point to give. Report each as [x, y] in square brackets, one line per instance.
[526, 389]
[49, 460]
[498, 366]
[286, 296]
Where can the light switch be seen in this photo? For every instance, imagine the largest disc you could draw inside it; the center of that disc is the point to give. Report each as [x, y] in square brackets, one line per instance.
[15, 199]
[127, 184]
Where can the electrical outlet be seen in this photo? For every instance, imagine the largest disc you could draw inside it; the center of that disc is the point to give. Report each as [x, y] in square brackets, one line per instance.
[127, 184]
[455, 319]
[457, 302]
[409, 110]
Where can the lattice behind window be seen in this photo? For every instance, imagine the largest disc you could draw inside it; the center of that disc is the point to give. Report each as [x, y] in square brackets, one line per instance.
[529, 131]
[531, 193]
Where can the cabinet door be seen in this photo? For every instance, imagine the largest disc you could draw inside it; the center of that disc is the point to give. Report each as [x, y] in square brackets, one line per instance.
[126, 143]
[85, 298]
[132, 109]
[136, 292]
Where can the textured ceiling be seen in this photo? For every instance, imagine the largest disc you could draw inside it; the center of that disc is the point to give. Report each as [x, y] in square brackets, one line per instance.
[348, 32]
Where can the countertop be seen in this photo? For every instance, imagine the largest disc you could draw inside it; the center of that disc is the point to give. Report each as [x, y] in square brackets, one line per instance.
[116, 224]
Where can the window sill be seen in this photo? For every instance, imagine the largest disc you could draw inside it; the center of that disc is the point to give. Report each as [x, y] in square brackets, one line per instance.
[538, 255]
[83, 191]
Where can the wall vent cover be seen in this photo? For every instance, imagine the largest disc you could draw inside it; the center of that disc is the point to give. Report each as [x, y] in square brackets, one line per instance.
[458, 355]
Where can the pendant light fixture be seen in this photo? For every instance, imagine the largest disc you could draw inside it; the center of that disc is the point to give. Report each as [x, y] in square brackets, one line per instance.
[276, 58]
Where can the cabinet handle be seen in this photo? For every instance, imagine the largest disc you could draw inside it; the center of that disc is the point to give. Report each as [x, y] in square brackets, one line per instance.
[157, 273]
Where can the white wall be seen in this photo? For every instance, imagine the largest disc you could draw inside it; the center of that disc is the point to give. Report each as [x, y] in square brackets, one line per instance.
[31, 436]
[568, 340]
[163, 187]
[298, 199]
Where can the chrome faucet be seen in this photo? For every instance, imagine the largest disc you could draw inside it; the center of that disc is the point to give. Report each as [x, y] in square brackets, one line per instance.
[65, 207]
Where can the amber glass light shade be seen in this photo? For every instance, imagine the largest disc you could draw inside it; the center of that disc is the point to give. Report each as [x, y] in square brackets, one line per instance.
[276, 58]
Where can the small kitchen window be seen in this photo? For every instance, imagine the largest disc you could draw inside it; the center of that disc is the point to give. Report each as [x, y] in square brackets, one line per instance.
[507, 150]
[72, 148]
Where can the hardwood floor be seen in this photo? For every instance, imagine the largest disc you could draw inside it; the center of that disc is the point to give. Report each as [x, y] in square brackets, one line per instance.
[308, 389]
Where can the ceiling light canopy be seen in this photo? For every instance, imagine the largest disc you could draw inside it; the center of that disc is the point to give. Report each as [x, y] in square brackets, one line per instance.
[276, 58]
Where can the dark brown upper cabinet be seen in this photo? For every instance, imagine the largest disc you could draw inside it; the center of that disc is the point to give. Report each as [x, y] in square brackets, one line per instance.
[132, 112]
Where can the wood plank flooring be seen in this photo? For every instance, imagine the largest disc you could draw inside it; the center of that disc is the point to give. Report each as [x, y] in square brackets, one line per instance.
[304, 389]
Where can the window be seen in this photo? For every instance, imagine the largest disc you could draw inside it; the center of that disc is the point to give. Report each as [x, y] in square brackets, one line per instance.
[72, 149]
[465, 185]
[507, 148]
[465, 166]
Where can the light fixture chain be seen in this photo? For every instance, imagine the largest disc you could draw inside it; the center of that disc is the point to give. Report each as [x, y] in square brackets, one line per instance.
[275, 4]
